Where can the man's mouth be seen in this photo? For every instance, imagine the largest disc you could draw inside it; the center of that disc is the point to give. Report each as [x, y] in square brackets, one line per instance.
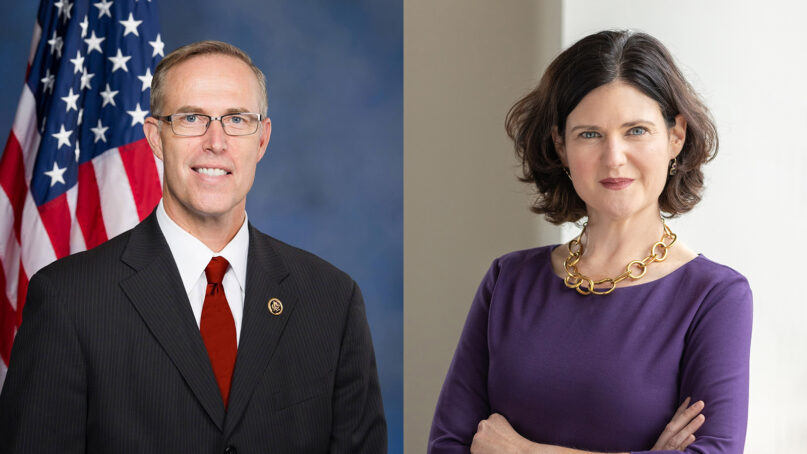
[210, 171]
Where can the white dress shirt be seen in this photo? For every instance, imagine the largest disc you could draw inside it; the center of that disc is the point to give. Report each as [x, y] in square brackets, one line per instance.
[192, 257]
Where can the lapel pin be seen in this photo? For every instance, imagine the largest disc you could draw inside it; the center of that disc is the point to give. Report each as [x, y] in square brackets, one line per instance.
[275, 306]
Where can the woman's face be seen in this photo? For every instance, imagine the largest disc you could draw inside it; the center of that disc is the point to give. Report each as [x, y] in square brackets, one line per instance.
[618, 148]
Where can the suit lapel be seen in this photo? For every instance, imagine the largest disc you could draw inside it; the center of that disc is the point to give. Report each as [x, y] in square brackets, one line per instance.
[157, 293]
[260, 331]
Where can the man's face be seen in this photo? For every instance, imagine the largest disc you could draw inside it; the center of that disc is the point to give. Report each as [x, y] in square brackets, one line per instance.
[206, 178]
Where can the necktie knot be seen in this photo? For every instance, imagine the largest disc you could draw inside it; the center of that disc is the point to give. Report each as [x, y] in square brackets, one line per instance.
[214, 272]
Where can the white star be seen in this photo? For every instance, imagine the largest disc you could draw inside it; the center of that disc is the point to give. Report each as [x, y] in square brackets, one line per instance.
[48, 81]
[109, 96]
[94, 43]
[78, 152]
[64, 8]
[63, 136]
[84, 24]
[119, 62]
[103, 8]
[85, 79]
[80, 116]
[138, 116]
[130, 25]
[158, 46]
[56, 175]
[56, 44]
[70, 100]
[99, 131]
[146, 79]
[77, 62]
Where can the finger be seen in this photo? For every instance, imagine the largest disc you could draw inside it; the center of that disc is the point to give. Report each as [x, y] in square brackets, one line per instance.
[681, 437]
[683, 406]
[689, 440]
[679, 421]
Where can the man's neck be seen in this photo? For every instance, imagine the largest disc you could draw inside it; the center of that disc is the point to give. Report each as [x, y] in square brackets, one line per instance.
[214, 231]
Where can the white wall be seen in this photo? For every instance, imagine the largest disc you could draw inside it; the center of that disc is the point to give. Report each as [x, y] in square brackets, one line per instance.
[748, 61]
[467, 61]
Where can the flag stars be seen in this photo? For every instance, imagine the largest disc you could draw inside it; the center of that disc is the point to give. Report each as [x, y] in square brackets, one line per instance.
[56, 44]
[138, 116]
[103, 8]
[146, 80]
[57, 174]
[70, 100]
[77, 62]
[63, 136]
[85, 79]
[119, 62]
[109, 96]
[100, 132]
[64, 7]
[158, 46]
[94, 43]
[48, 81]
[130, 25]
[84, 25]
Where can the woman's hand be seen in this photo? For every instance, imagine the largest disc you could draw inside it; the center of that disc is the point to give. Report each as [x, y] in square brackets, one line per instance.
[496, 435]
[680, 431]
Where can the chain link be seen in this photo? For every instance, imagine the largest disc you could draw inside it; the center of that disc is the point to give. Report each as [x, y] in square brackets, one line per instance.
[586, 286]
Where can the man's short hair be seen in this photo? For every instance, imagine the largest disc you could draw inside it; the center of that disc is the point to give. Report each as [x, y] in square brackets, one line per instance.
[193, 50]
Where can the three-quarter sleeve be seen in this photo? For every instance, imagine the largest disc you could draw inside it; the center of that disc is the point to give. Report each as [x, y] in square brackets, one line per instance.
[463, 401]
[715, 367]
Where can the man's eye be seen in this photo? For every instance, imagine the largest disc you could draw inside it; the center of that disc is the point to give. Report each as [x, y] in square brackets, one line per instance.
[589, 134]
[236, 120]
[190, 118]
[637, 131]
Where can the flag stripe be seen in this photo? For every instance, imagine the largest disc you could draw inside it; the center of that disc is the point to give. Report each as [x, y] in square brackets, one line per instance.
[11, 167]
[56, 218]
[36, 250]
[8, 321]
[76, 238]
[88, 208]
[138, 161]
[22, 283]
[117, 202]
[25, 124]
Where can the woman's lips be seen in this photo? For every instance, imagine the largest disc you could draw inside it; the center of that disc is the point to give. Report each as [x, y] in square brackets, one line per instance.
[616, 184]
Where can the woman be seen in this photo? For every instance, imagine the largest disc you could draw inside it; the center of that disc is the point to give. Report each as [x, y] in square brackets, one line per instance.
[598, 345]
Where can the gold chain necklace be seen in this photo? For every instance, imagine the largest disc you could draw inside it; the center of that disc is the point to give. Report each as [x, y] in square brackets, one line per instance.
[574, 279]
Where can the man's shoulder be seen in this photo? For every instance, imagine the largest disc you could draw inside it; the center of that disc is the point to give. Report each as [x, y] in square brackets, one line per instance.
[102, 257]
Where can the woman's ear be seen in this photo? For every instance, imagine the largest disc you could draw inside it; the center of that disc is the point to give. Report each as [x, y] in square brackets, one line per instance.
[678, 135]
[560, 148]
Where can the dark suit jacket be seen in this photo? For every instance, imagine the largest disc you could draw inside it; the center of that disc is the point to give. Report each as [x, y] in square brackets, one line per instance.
[109, 359]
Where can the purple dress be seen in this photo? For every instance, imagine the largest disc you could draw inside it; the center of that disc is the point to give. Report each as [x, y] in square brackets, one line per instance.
[600, 373]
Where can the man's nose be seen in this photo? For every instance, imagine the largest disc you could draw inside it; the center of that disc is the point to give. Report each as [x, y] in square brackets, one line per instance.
[215, 137]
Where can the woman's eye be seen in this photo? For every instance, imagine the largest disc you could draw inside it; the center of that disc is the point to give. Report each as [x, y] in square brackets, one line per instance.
[589, 134]
[637, 131]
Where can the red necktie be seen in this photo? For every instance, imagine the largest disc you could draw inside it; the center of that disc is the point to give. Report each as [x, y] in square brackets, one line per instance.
[218, 327]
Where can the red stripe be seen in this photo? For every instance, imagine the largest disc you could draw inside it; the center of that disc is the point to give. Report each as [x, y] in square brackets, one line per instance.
[22, 292]
[88, 207]
[12, 179]
[55, 216]
[143, 177]
[8, 319]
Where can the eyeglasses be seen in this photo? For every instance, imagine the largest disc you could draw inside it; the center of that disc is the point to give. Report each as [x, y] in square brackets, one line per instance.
[194, 124]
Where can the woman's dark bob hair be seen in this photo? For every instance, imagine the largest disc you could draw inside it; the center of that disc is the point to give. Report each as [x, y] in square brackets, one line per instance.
[636, 59]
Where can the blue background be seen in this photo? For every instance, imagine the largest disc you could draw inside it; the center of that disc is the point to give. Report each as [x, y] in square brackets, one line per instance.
[332, 180]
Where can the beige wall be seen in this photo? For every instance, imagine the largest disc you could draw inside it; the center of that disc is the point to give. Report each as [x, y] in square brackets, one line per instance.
[465, 63]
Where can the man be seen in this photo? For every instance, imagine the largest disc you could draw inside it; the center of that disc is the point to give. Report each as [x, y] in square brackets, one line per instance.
[194, 332]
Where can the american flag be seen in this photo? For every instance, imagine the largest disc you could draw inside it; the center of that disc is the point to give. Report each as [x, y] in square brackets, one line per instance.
[76, 169]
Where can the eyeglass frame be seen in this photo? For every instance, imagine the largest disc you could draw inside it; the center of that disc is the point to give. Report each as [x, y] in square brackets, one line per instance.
[211, 119]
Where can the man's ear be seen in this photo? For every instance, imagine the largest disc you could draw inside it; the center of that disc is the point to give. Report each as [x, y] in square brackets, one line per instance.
[560, 148]
[678, 135]
[265, 129]
[151, 128]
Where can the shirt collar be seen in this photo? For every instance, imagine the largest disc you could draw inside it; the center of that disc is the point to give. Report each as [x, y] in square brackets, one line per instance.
[192, 256]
